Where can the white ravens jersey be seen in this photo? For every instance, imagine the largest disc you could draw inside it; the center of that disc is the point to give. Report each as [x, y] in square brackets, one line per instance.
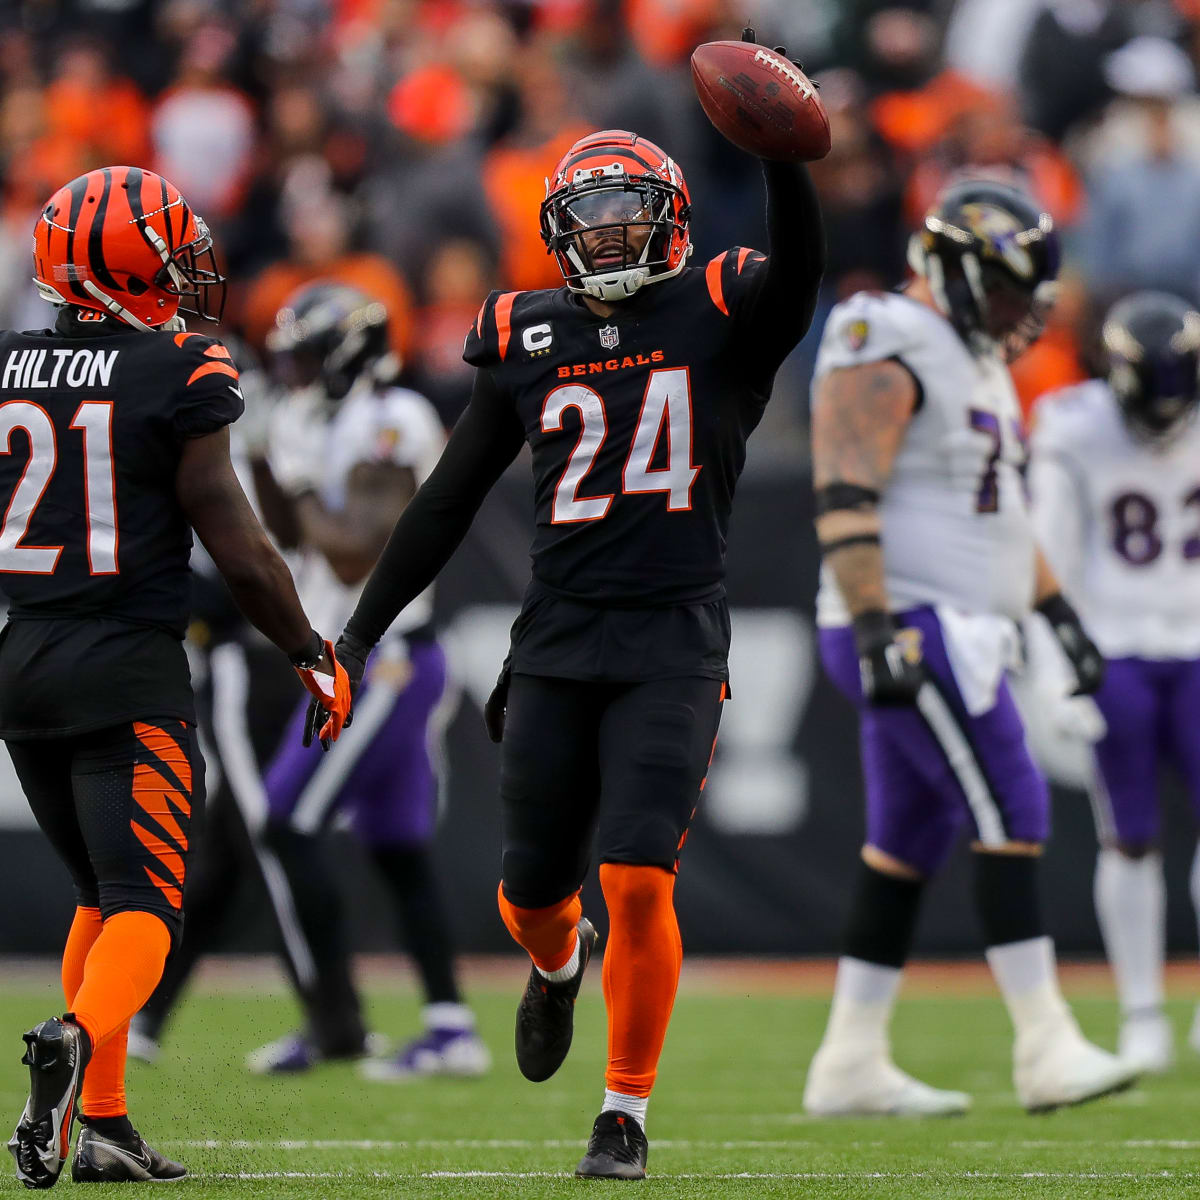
[956, 529]
[1119, 518]
[396, 426]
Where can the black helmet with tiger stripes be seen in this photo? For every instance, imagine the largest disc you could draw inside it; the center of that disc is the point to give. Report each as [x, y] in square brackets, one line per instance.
[123, 241]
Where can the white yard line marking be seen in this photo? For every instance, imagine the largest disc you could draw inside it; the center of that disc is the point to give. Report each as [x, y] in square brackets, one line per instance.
[731, 1175]
[294, 1144]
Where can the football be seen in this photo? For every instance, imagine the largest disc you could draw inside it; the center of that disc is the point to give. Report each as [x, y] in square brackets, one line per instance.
[761, 101]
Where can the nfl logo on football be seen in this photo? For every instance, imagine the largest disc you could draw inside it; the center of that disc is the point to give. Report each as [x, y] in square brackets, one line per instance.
[609, 337]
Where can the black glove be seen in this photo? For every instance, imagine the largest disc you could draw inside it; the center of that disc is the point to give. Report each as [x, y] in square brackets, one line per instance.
[748, 35]
[352, 654]
[496, 708]
[1085, 659]
[889, 660]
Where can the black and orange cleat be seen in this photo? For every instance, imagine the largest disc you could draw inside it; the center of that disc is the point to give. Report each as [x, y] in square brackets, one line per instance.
[617, 1149]
[101, 1159]
[546, 1014]
[56, 1053]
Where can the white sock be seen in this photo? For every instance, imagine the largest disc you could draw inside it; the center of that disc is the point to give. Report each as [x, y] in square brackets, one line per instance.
[863, 998]
[567, 970]
[448, 1015]
[635, 1106]
[1131, 905]
[1028, 980]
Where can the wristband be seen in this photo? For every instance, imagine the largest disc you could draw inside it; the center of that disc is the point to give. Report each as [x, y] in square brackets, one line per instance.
[855, 539]
[310, 655]
[1058, 611]
[872, 629]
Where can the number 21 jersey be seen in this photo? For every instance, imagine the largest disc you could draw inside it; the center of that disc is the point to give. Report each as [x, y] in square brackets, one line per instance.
[94, 546]
[955, 520]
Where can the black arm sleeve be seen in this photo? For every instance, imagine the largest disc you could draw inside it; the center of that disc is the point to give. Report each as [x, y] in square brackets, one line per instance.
[486, 439]
[781, 310]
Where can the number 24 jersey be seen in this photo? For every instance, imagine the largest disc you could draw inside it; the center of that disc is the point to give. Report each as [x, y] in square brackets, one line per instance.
[638, 425]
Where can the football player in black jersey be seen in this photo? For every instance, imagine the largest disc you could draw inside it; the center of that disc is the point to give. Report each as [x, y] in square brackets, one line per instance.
[636, 386]
[114, 447]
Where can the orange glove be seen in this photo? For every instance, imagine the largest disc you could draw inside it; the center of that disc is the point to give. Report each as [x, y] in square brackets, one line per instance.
[330, 687]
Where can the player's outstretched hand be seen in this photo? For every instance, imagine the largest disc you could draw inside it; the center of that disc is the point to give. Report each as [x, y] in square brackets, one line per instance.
[1086, 660]
[329, 683]
[889, 662]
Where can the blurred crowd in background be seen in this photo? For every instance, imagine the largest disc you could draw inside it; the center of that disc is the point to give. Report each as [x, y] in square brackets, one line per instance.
[402, 145]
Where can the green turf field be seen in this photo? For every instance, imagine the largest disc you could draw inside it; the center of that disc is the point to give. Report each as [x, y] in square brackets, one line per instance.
[725, 1121]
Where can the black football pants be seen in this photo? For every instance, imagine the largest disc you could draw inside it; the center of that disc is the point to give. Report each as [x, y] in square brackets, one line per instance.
[117, 806]
[626, 759]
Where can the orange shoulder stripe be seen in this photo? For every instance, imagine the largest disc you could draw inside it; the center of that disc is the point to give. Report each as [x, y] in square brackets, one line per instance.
[712, 276]
[504, 304]
[218, 351]
[743, 254]
[212, 368]
[180, 338]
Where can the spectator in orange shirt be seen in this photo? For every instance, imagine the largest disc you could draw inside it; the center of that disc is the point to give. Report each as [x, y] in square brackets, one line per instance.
[990, 139]
[319, 228]
[922, 100]
[103, 115]
[516, 169]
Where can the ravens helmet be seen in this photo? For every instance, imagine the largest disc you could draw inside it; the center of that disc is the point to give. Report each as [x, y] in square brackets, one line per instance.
[123, 241]
[991, 257]
[1152, 342]
[616, 215]
[331, 334]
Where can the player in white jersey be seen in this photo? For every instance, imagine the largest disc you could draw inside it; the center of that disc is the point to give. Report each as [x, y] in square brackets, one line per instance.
[348, 451]
[1115, 478]
[930, 560]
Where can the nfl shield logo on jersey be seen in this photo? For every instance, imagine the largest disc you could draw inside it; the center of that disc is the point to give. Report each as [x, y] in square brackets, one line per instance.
[609, 337]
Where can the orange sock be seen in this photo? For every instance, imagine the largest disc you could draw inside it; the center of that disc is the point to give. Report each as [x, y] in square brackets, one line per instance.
[85, 929]
[548, 934]
[641, 971]
[122, 969]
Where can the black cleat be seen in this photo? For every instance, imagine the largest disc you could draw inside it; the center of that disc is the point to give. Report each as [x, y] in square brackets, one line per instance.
[546, 1014]
[56, 1054]
[617, 1149]
[99, 1159]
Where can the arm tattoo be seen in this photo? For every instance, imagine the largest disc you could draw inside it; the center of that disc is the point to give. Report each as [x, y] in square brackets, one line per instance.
[859, 416]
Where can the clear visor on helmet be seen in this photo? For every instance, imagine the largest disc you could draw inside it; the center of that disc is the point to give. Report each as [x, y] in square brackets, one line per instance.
[612, 206]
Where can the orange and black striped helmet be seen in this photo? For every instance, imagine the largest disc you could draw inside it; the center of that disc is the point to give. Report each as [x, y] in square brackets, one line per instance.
[616, 215]
[123, 241]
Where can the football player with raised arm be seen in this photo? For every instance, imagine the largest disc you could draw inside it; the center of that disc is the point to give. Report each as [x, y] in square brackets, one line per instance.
[116, 447]
[930, 562]
[635, 385]
[1115, 479]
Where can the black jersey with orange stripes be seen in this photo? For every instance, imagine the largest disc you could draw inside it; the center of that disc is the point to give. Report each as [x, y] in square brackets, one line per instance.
[638, 424]
[93, 419]
[94, 546]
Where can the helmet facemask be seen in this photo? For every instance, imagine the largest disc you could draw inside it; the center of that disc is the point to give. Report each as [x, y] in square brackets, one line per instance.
[191, 273]
[612, 232]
